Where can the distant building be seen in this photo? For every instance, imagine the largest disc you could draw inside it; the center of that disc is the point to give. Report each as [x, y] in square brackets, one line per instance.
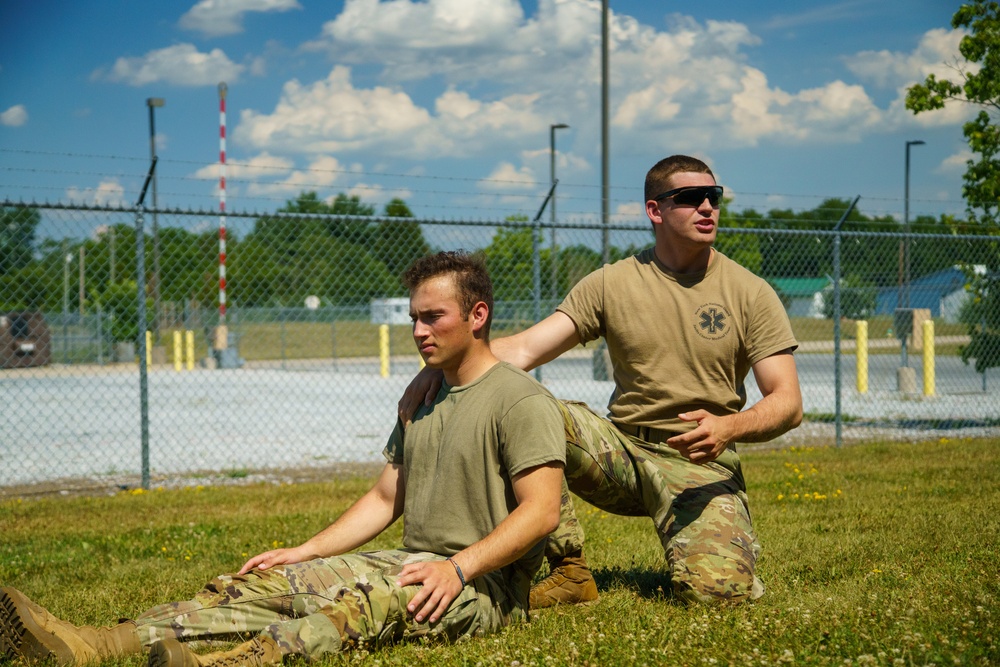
[391, 311]
[943, 293]
[803, 297]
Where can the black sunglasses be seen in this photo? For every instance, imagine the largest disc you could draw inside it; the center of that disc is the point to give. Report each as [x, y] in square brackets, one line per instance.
[693, 195]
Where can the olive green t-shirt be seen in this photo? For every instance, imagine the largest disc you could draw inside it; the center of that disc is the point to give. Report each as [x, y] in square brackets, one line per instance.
[678, 342]
[459, 455]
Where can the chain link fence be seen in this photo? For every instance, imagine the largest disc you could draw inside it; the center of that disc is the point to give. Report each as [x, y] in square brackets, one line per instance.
[314, 350]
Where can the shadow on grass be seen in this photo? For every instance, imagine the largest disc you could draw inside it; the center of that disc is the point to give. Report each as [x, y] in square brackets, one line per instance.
[647, 583]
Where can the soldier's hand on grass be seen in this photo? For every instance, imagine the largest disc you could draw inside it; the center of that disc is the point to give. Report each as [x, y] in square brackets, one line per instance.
[706, 441]
[440, 585]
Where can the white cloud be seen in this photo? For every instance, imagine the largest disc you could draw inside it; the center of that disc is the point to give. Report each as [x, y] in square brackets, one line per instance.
[630, 211]
[506, 176]
[181, 64]
[321, 173]
[214, 18]
[365, 192]
[432, 25]
[258, 67]
[852, 10]
[756, 109]
[15, 116]
[936, 54]
[956, 163]
[109, 192]
[464, 40]
[502, 78]
[332, 116]
[692, 90]
[260, 166]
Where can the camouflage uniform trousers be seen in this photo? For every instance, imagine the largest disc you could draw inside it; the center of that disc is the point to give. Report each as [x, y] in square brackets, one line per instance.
[328, 605]
[700, 512]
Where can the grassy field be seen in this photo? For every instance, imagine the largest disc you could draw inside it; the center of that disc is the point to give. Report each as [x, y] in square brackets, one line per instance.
[875, 554]
[347, 339]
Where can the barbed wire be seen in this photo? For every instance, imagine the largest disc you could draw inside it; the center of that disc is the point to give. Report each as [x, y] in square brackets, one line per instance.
[574, 198]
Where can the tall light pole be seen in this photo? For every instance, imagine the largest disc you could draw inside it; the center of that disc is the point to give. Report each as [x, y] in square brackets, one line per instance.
[68, 258]
[552, 204]
[605, 138]
[152, 103]
[906, 223]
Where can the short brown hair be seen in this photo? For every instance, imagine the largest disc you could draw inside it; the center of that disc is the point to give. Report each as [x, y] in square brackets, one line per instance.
[472, 280]
[656, 178]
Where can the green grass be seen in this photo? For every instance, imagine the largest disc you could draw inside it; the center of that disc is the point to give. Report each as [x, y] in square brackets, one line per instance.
[351, 339]
[307, 340]
[875, 554]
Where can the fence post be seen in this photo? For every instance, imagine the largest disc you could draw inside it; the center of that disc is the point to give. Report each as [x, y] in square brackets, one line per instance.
[928, 357]
[861, 355]
[383, 350]
[189, 348]
[140, 271]
[281, 320]
[536, 263]
[838, 417]
[178, 354]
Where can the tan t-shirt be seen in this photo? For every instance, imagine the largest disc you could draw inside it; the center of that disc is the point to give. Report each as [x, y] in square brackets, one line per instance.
[678, 342]
[459, 455]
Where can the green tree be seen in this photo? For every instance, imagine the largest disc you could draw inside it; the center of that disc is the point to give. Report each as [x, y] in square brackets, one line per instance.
[982, 316]
[398, 242]
[353, 227]
[575, 262]
[17, 237]
[977, 82]
[741, 248]
[121, 304]
[331, 249]
[857, 299]
[510, 262]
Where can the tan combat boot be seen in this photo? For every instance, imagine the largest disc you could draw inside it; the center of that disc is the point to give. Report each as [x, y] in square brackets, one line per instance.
[569, 582]
[30, 632]
[257, 652]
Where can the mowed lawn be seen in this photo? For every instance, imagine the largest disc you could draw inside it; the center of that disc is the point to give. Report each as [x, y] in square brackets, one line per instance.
[874, 554]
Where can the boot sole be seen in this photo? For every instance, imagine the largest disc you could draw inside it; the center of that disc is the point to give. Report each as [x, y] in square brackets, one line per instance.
[166, 653]
[21, 637]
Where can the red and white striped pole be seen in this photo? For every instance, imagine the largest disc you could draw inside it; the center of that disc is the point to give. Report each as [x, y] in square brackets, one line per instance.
[222, 333]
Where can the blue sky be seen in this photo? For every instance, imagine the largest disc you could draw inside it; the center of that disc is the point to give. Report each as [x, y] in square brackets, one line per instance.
[448, 103]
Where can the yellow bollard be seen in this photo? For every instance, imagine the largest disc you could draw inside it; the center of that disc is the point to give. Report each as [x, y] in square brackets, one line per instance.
[149, 349]
[177, 351]
[189, 349]
[928, 357]
[383, 349]
[861, 355]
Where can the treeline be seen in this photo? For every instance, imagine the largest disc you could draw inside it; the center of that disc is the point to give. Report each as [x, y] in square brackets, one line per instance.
[339, 251]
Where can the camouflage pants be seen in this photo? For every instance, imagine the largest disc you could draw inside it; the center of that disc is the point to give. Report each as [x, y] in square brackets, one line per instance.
[328, 605]
[700, 512]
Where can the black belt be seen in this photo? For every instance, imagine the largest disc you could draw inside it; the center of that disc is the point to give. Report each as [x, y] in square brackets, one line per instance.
[646, 433]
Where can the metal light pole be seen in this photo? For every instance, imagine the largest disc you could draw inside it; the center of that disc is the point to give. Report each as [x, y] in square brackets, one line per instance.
[65, 304]
[906, 381]
[552, 207]
[906, 223]
[83, 293]
[605, 139]
[152, 103]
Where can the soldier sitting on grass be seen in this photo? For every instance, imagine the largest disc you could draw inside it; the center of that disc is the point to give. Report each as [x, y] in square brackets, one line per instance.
[477, 476]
